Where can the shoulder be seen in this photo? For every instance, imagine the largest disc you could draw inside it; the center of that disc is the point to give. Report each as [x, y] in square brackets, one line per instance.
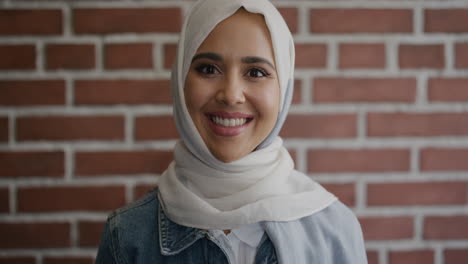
[136, 222]
[339, 226]
[144, 206]
[332, 235]
[129, 228]
[336, 221]
[335, 214]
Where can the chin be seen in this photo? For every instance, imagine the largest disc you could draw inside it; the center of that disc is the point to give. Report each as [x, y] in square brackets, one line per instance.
[227, 157]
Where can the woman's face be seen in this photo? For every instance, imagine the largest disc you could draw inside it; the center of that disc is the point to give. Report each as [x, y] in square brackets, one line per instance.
[232, 89]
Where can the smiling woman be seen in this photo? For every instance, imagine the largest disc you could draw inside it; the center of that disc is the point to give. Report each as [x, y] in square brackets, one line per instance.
[232, 194]
[232, 90]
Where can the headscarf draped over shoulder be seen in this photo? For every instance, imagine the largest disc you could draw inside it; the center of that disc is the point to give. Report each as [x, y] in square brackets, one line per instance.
[198, 190]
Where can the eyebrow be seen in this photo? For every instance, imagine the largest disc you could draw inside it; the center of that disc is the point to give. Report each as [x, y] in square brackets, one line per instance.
[217, 57]
[207, 55]
[252, 59]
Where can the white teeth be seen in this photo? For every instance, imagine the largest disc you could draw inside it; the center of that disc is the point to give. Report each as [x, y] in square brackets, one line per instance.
[228, 122]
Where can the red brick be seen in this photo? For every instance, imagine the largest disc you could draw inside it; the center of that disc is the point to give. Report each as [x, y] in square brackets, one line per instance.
[70, 198]
[90, 233]
[387, 228]
[170, 53]
[361, 20]
[124, 162]
[30, 22]
[34, 235]
[372, 257]
[455, 256]
[361, 55]
[32, 92]
[4, 134]
[129, 56]
[293, 155]
[444, 159]
[421, 56]
[123, 20]
[354, 90]
[68, 260]
[17, 260]
[446, 227]
[4, 200]
[149, 128]
[17, 57]
[297, 93]
[320, 126]
[291, 17]
[448, 89]
[39, 163]
[311, 55]
[70, 56]
[446, 20]
[134, 92]
[359, 160]
[70, 128]
[344, 191]
[461, 55]
[412, 257]
[417, 124]
[412, 193]
[142, 189]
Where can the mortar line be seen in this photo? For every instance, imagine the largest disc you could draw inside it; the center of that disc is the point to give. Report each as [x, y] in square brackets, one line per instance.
[67, 21]
[361, 195]
[303, 20]
[449, 55]
[307, 90]
[439, 255]
[158, 55]
[12, 195]
[418, 21]
[333, 56]
[129, 129]
[69, 163]
[11, 129]
[129, 192]
[41, 55]
[99, 47]
[414, 160]
[384, 256]
[69, 92]
[74, 235]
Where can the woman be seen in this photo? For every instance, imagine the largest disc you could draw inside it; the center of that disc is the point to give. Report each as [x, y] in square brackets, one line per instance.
[232, 194]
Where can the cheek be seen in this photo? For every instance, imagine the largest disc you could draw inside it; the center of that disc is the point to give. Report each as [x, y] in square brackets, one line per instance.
[195, 97]
[190, 100]
[267, 100]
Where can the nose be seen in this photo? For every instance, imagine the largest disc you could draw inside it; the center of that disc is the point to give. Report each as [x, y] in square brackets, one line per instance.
[231, 91]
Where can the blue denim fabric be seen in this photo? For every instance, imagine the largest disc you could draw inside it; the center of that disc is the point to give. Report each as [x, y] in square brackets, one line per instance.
[141, 233]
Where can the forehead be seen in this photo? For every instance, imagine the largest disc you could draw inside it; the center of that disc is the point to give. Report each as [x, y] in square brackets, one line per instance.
[242, 34]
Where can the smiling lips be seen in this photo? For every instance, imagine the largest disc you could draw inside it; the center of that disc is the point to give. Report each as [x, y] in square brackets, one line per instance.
[228, 124]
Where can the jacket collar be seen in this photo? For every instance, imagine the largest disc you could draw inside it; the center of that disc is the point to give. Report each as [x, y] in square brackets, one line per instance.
[174, 238]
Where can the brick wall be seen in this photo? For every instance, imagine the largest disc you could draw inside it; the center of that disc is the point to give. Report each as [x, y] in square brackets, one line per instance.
[380, 117]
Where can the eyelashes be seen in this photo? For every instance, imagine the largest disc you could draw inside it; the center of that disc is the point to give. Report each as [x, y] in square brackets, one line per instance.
[207, 69]
[253, 72]
[211, 70]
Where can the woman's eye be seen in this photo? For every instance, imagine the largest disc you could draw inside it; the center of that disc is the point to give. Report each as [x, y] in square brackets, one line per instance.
[257, 73]
[206, 69]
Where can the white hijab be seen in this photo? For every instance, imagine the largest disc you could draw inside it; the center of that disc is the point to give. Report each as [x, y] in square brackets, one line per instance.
[198, 190]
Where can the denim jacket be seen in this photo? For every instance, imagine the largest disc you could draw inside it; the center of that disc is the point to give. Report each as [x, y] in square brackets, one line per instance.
[140, 233]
